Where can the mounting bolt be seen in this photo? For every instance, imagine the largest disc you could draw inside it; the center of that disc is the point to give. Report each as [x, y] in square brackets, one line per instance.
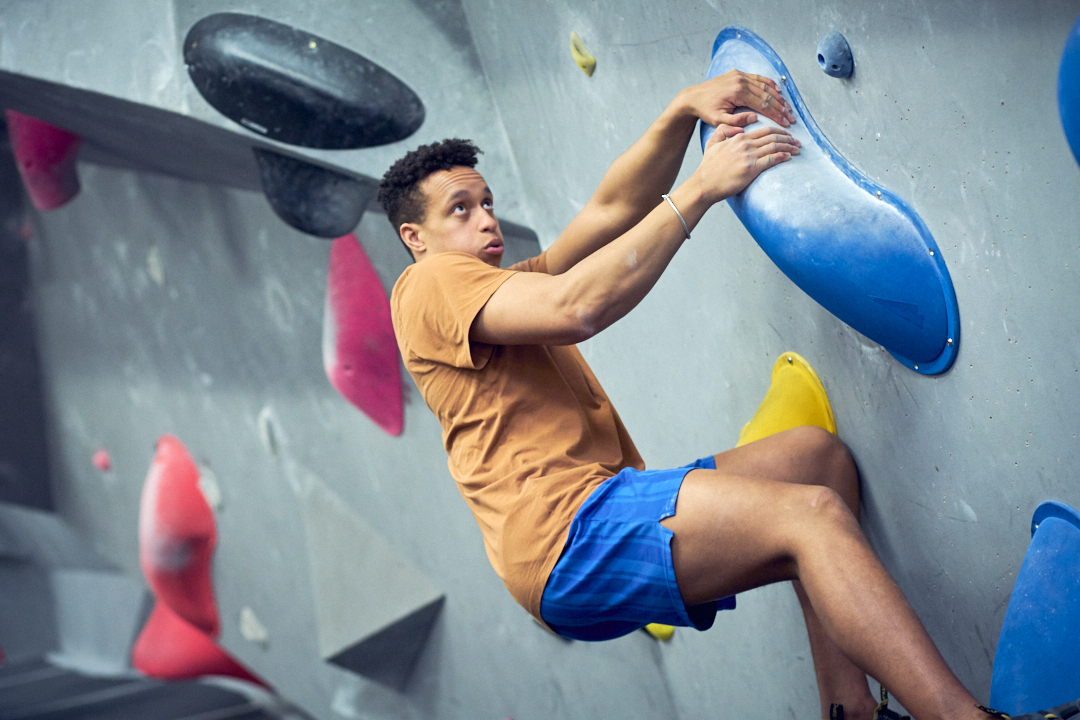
[949, 342]
[783, 79]
[916, 367]
[790, 361]
[878, 194]
[931, 252]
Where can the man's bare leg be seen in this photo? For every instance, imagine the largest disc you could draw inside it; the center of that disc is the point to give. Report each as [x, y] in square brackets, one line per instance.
[734, 533]
[810, 456]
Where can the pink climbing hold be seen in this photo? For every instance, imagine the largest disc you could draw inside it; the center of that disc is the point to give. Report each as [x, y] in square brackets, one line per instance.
[170, 648]
[359, 349]
[102, 461]
[45, 155]
[177, 535]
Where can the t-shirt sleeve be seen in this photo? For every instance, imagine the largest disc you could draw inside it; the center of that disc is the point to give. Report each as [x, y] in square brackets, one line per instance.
[434, 304]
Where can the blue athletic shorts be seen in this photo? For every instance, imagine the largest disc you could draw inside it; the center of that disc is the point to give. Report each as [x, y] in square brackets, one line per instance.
[615, 574]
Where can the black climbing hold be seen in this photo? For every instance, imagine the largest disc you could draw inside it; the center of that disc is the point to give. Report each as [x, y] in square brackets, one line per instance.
[312, 199]
[834, 55]
[295, 87]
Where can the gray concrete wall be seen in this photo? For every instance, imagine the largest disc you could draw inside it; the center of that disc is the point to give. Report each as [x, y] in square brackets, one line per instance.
[170, 306]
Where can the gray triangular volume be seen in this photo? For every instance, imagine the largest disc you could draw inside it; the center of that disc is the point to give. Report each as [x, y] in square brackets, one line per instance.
[373, 606]
[906, 310]
[389, 655]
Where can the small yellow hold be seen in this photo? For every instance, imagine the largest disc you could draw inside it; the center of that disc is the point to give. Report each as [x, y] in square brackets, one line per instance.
[662, 633]
[581, 54]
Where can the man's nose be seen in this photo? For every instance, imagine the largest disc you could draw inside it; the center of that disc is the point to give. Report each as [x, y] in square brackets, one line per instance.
[488, 219]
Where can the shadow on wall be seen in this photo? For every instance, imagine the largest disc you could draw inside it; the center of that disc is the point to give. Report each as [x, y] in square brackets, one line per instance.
[24, 471]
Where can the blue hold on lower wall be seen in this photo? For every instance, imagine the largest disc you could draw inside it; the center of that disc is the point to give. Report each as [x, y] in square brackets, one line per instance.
[1036, 666]
[850, 244]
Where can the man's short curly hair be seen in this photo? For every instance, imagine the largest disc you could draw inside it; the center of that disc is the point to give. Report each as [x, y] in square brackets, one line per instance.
[399, 191]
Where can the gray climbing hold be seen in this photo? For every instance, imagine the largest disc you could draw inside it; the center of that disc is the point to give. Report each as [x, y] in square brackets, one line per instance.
[311, 198]
[374, 607]
[834, 56]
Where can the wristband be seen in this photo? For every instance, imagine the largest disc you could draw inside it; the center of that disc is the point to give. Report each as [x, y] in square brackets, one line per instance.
[681, 218]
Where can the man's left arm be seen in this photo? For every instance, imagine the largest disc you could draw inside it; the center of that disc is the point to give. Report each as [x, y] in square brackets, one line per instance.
[634, 183]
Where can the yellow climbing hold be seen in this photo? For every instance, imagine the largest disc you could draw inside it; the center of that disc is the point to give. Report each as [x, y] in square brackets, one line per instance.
[581, 54]
[795, 398]
[660, 632]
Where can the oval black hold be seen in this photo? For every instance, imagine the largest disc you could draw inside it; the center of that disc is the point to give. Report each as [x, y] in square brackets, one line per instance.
[294, 87]
[311, 198]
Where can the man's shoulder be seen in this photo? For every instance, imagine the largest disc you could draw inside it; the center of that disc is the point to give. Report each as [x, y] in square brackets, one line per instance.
[449, 282]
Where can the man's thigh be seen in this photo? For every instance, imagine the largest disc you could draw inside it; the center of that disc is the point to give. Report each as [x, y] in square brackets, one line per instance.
[738, 527]
[804, 455]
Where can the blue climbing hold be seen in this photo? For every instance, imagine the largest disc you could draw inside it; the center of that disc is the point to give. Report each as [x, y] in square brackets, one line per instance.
[850, 244]
[1036, 665]
[1069, 90]
[834, 55]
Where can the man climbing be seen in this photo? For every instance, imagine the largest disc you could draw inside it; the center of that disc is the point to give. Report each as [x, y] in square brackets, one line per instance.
[584, 537]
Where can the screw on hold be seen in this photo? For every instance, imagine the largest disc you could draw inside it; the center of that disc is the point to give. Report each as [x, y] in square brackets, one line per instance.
[949, 342]
[931, 252]
[878, 194]
[783, 79]
[916, 367]
[790, 361]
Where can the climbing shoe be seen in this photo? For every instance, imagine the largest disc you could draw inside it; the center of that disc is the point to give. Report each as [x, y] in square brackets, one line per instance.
[1061, 712]
[881, 712]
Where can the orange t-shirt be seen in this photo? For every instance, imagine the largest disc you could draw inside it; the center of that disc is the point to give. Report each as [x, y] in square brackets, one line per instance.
[529, 431]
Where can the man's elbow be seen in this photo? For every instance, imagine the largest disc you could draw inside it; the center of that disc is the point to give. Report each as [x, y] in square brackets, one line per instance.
[581, 321]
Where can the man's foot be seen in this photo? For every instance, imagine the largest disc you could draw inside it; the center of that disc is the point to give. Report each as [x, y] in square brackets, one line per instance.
[881, 712]
[1061, 712]
[795, 398]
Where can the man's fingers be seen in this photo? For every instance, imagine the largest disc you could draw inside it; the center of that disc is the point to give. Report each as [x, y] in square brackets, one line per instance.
[766, 97]
[766, 81]
[767, 161]
[740, 120]
[766, 135]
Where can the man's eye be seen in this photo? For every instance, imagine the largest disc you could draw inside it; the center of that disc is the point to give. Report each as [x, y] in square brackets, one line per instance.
[488, 204]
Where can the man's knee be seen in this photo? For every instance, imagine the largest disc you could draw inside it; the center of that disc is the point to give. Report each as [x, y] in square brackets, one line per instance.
[828, 511]
[820, 449]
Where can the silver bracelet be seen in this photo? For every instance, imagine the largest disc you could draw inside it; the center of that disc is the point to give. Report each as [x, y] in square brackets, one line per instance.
[681, 218]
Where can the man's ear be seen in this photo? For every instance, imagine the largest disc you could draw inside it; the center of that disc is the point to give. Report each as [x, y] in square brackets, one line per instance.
[410, 235]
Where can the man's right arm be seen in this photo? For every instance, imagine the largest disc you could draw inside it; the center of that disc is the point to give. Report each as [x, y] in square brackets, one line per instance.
[539, 309]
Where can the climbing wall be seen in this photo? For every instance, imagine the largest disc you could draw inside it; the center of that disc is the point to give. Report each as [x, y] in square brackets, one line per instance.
[168, 297]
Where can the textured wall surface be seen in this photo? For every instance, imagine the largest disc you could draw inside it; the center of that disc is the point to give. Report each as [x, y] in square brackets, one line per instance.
[171, 306]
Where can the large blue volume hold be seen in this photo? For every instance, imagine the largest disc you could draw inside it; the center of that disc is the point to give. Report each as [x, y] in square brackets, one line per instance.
[850, 244]
[1069, 90]
[1037, 665]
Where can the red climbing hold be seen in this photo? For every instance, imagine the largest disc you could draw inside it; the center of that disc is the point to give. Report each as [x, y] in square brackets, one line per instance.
[170, 648]
[359, 349]
[45, 155]
[177, 535]
[102, 461]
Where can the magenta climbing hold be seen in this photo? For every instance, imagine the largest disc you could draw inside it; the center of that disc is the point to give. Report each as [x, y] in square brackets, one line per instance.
[171, 648]
[102, 461]
[45, 155]
[177, 535]
[359, 349]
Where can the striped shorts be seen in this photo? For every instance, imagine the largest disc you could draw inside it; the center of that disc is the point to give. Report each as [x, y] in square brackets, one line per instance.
[615, 574]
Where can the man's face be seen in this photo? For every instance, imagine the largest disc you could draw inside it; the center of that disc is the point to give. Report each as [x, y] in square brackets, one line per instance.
[460, 215]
